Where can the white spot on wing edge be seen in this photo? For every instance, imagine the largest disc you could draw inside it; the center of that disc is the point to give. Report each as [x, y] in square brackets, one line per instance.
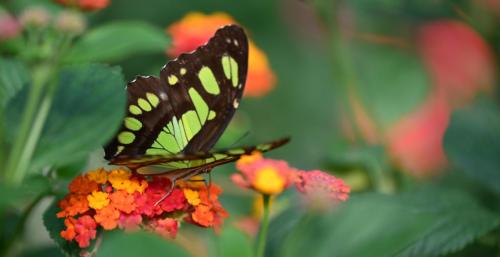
[235, 42]
[236, 103]
[228, 40]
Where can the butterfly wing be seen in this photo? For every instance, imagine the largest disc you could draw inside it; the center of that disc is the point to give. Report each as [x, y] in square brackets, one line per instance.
[190, 162]
[190, 105]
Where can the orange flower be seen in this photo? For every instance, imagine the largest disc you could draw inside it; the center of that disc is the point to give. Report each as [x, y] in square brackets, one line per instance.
[264, 175]
[69, 233]
[123, 201]
[86, 5]
[107, 217]
[196, 28]
[203, 215]
[100, 176]
[129, 202]
[260, 77]
[72, 205]
[82, 185]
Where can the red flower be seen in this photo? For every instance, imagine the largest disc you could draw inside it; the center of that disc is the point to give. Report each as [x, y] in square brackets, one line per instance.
[85, 228]
[460, 62]
[416, 141]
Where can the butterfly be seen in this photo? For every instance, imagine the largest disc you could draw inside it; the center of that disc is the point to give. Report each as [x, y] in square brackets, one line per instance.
[172, 122]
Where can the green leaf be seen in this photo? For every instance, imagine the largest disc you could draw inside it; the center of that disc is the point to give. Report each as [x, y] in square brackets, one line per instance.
[425, 223]
[472, 143]
[117, 41]
[13, 76]
[458, 220]
[391, 81]
[54, 226]
[27, 191]
[88, 108]
[138, 244]
[232, 242]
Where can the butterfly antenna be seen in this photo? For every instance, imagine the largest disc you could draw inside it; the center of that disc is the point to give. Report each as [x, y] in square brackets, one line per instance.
[240, 139]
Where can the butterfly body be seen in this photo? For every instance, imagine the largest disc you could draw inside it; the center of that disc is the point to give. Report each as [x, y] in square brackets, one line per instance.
[174, 120]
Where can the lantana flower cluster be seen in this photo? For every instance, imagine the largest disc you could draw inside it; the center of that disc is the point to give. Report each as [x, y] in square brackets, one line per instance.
[271, 177]
[114, 199]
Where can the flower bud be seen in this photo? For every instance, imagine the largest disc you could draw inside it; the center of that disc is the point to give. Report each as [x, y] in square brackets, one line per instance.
[35, 16]
[70, 22]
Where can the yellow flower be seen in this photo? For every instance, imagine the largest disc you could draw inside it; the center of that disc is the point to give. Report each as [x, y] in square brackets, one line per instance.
[136, 186]
[100, 176]
[119, 179]
[193, 197]
[98, 200]
[269, 181]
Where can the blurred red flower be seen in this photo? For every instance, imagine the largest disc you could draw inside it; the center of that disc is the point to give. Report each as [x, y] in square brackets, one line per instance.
[86, 5]
[196, 28]
[416, 141]
[459, 61]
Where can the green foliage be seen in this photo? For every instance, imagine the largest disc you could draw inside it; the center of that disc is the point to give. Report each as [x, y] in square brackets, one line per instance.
[13, 76]
[232, 242]
[430, 222]
[117, 41]
[472, 142]
[33, 187]
[391, 81]
[138, 244]
[87, 110]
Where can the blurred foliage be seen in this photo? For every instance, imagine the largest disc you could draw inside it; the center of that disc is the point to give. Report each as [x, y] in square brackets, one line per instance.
[325, 54]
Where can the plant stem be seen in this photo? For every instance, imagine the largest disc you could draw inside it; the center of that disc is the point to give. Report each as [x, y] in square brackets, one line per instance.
[15, 172]
[261, 243]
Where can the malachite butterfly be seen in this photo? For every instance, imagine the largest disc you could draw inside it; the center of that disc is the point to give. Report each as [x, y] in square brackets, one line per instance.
[173, 121]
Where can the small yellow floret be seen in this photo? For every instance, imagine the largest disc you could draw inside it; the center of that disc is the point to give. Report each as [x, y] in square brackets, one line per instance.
[269, 181]
[98, 200]
[193, 197]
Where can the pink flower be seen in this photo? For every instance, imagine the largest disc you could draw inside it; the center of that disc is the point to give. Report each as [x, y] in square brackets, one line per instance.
[130, 222]
[263, 175]
[321, 189]
[9, 26]
[167, 227]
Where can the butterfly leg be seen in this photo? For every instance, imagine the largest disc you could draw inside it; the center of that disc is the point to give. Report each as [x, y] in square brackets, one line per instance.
[174, 178]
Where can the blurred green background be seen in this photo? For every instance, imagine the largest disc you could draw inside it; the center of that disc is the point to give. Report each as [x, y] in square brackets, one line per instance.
[397, 97]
